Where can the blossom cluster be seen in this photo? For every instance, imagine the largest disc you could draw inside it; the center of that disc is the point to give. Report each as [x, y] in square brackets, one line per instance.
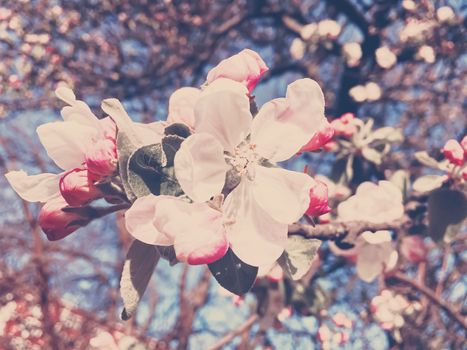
[233, 195]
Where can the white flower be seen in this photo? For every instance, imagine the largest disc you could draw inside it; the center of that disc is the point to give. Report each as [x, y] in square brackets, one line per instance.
[375, 254]
[385, 57]
[181, 106]
[358, 93]
[376, 203]
[388, 309]
[297, 49]
[267, 199]
[409, 5]
[427, 53]
[352, 53]
[373, 91]
[308, 31]
[414, 30]
[329, 28]
[445, 14]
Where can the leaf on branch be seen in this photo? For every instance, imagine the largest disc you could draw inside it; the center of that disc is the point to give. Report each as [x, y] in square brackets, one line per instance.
[446, 209]
[125, 149]
[298, 256]
[401, 179]
[178, 129]
[428, 183]
[141, 260]
[145, 170]
[168, 253]
[425, 159]
[233, 274]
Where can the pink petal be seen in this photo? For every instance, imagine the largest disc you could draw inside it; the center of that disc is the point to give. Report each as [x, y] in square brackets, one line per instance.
[34, 188]
[223, 110]
[281, 193]
[246, 67]
[255, 237]
[200, 167]
[182, 104]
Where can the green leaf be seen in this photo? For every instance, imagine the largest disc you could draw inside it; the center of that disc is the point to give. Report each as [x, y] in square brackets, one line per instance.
[168, 253]
[233, 274]
[178, 129]
[446, 207]
[140, 262]
[145, 170]
[298, 256]
[425, 159]
[387, 133]
[170, 145]
[125, 149]
[428, 183]
[349, 168]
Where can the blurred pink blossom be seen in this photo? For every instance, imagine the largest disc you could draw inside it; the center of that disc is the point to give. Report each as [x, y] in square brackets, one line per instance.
[388, 309]
[454, 152]
[318, 199]
[413, 249]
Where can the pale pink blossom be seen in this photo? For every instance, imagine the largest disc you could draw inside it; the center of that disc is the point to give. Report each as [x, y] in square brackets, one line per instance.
[427, 53]
[341, 320]
[228, 139]
[77, 187]
[454, 152]
[181, 106]
[345, 125]
[321, 138]
[385, 57]
[335, 191]
[276, 274]
[324, 333]
[352, 53]
[376, 203]
[408, 5]
[246, 67]
[308, 31]
[57, 223]
[388, 309]
[318, 199]
[329, 28]
[413, 249]
[445, 14]
[195, 230]
[297, 48]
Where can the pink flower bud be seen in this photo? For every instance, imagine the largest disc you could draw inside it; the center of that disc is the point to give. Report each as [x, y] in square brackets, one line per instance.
[413, 249]
[321, 138]
[454, 152]
[331, 146]
[318, 199]
[77, 187]
[57, 223]
[101, 157]
[344, 125]
[464, 144]
[246, 67]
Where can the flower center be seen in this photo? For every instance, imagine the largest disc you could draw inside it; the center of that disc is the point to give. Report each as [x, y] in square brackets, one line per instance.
[244, 159]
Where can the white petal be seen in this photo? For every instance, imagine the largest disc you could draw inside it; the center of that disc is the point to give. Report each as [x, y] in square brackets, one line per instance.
[283, 194]
[255, 237]
[284, 125]
[149, 134]
[65, 94]
[223, 110]
[369, 264]
[200, 167]
[34, 188]
[182, 104]
[140, 221]
[66, 142]
[79, 113]
[377, 237]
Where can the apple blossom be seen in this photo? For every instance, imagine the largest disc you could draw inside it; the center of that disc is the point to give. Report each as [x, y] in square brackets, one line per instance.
[358, 93]
[427, 53]
[246, 67]
[352, 53]
[297, 48]
[329, 28]
[321, 138]
[454, 152]
[345, 125]
[415, 30]
[341, 320]
[77, 187]
[373, 91]
[445, 14]
[181, 106]
[57, 223]
[413, 249]
[228, 139]
[464, 144]
[388, 309]
[409, 5]
[385, 57]
[318, 199]
[376, 203]
[308, 31]
[324, 333]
